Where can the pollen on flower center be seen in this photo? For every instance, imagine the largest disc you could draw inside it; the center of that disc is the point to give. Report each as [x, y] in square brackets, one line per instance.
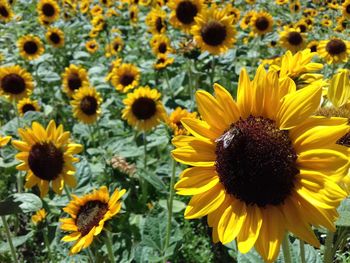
[88, 105]
[55, 38]
[90, 215]
[262, 23]
[30, 47]
[214, 33]
[127, 79]
[144, 108]
[48, 10]
[294, 38]
[336, 46]
[256, 162]
[13, 83]
[186, 11]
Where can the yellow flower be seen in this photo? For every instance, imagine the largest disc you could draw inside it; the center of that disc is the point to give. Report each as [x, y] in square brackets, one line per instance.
[183, 13]
[245, 23]
[115, 46]
[295, 7]
[133, 14]
[313, 45]
[334, 50]
[39, 216]
[125, 77]
[263, 165]
[30, 47]
[262, 23]
[26, 104]
[88, 215]
[55, 37]
[174, 120]
[346, 8]
[292, 39]
[233, 11]
[6, 12]
[91, 46]
[96, 10]
[48, 10]
[143, 109]
[4, 140]
[47, 156]
[155, 21]
[160, 45]
[339, 89]
[74, 78]
[281, 2]
[163, 61]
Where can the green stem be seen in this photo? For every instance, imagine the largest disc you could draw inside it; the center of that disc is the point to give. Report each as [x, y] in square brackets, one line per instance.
[328, 254]
[47, 244]
[286, 252]
[91, 255]
[8, 235]
[212, 74]
[145, 151]
[170, 205]
[19, 182]
[67, 192]
[168, 83]
[92, 135]
[143, 182]
[109, 246]
[302, 251]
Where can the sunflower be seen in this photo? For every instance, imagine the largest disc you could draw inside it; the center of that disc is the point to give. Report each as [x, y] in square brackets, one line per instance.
[342, 23]
[184, 12]
[115, 46]
[262, 166]
[295, 7]
[163, 61]
[55, 37]
[86, 105]
[250, 2]
[88, 216]
[214, 31]
[339, 89]
[313, 45]
[15, 82]
[160, 45]
[334, 50]
[48, 10]
[73, 78]
[292, 39]
[326, 23]
[47, 156]
[346, 8]
[107, 3]
[262, 22]
[174, 120]
[30, 47]
[26, 104]
[6, 13]
[125, 77]
[281, 2]
[143, 109]
[233, 11]
[156, 21]
[96, 10]
[303, 26]
[84, 6]
[39, 216]
[133, 14]
[91, 46]
[4, 140]
[245, 23]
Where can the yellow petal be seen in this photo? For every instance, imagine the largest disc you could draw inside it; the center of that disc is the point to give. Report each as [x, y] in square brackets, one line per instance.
[200, 129]
[339, 90]
[244, 94]
[72, 237]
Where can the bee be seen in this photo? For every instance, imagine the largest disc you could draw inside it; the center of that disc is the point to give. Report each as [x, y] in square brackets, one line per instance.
[228, 136]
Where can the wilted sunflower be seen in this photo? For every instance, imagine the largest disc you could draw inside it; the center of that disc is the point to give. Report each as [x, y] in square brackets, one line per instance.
[73, 78]
[86, 104]
[55, 37]
[48, 10]
[26, 104]
[47, 156]
[183, 13]
[160, 45]
[292, 39]
[174, 120]
[88, 216]
[30, 47]
[334, 50]
[143, 109]
[163, 61]
[6, 13]
[262, 165]
[15, 82]
[346, 8]
[261, 23]
[156, 21]
[313, 45]
[214, 31]
[125, 77]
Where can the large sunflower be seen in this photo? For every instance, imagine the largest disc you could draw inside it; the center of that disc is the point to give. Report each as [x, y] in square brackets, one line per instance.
[262, 23]
[334, 50]
[30, 47]
[26, 104]
[15, 82]
[88, 216]
[47, 156]
[73, 78]
[86, 105]
[262, 166]
[6, 13]
[214, 31]
[155, 21]
[292, 39]
[48, 10]
[55, 37]
[184, 12]
[125, 77]
[143, 109]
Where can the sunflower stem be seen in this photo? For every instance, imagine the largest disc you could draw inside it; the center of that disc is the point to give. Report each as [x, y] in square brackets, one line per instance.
[286, 251]
[212, 75]
[168, 83]
[47, 243]
[143, 182]
[9, 239]
[109, 246]
[67, 192]
[170, 206]
[328, 254]
[302, 251]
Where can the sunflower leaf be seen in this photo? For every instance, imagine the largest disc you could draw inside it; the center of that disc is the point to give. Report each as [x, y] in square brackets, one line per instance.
[21, 202]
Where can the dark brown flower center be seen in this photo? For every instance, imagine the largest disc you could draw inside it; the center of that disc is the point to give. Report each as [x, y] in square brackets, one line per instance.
[90, 215]
[13, 83]
[256, 162]
[273, 43]
[213, 33]
[116, 47]
[313, 48]
[159, 24]
[162, 47]
[262, 23]
[295, 38]
[4, 12]
[74, 81]
[144, 108]
[89, 105]
[28, 107]
[335, 47]
[46, 160]
[302, 28]
[30, 47]
[347, 9]
[160, 61]
[126, 79]
[55, 38]
[48, 10]
[186, 11]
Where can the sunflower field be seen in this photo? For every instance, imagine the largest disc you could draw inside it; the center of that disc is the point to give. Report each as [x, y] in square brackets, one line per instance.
[180, 131]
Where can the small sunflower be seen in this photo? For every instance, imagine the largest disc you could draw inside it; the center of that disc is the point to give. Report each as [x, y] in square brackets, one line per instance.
[15, 82]
[261, 23]
[342, 24]
[143, 109]
[163, 61]
[6, 13]
[174, 120]
[281, 2]
[86, 105]
[26, 104]
[313, 45]
[214, 31]
[91, 46]
[326, 23]
[73, 78]
[96, 10]
[88, 216]
[346, 8]
[39, 216]
[303, 26]
[115, 46]
[292, 39]
[47, 156]
[295, 7]
[233, 11]
[30, 47]
[245, 22]
[334, 50]
[156, 21]
[184, 12]
[125, 77]
[133, 14]
[55, 37]
[48, 10]
[160, 45]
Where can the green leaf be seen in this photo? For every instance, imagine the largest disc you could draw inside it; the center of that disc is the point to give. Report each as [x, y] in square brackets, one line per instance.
[17, 241]
[153, 180]
[178, 206]
[344, 213]
[22, 202]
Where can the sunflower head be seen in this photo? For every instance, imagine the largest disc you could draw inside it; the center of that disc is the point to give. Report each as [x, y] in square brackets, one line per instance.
[125, 77]
[6, 12]
[74, 78]
[39, 216]
[115, 46]
[313, 45]
[156, 21]
[233, 11]
[245, 22]
[261, 23]
[174, 120]
[30, 47]
[55, 37]
[26, 104]
[160, 45]
[184, 12]
[133, 14]
[292, 39]
[163, 61]
[91, 46]
[334, 50]
[346, 8]
[48, 10]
